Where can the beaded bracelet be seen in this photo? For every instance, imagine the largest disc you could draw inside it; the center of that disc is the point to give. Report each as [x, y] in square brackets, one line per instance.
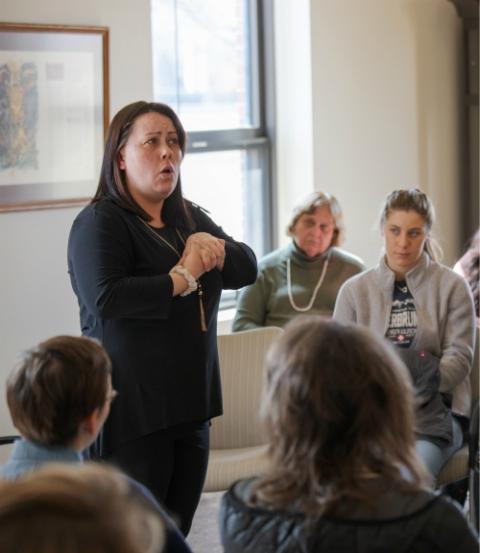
[187, 275]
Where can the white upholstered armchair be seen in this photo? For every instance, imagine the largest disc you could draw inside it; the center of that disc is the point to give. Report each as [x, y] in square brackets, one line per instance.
[237, 443]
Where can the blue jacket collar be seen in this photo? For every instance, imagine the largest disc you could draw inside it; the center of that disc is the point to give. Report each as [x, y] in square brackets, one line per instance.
[26, 449]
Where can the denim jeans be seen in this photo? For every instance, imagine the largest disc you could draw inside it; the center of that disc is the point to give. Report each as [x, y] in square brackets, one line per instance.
[434, 456]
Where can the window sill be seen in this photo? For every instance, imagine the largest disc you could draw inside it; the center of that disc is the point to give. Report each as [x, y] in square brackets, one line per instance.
[224, 320]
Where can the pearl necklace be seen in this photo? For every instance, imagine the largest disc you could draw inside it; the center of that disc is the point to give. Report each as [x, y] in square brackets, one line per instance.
[315, 292]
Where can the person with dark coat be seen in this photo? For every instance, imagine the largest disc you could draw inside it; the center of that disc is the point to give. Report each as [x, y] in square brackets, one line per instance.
[344, 475]
[148, 268]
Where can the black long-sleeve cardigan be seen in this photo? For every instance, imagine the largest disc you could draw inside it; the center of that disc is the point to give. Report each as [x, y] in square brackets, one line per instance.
[165, 367]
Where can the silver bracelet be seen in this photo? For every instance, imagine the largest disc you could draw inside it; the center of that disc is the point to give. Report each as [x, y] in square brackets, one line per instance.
[187, 275]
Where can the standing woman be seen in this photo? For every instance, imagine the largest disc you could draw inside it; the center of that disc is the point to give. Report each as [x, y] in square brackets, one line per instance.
[426, 310]
[306, 275]
[148, 268]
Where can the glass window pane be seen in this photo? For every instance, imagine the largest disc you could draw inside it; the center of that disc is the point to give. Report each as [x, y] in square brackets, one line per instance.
[229, 185]
[202, 63]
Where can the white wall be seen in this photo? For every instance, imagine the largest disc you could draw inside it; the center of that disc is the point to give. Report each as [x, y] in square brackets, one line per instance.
[294, 105]
[385, 110]
[36, 300]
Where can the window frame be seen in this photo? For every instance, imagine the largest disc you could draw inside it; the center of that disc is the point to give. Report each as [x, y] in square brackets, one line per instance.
[259, 135]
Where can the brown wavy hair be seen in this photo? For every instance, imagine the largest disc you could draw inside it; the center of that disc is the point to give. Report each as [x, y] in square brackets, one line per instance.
[310, 204]
[338, 410]
[56, 386]
[413, 199]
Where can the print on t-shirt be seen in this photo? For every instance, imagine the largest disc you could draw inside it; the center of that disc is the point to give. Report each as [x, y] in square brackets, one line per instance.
[403, 317]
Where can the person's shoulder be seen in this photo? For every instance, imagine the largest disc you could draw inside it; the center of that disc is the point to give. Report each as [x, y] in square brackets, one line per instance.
[450, 273]
[448, 525]
[347, 258]
[242, 489]
[361, 280]
[447, 506]
[8, 471]
[199, 213]
[447, 275]
[105, 211]
[450, 512]
[99, 207]
[237, 498]
[273, 259]
[246, 525]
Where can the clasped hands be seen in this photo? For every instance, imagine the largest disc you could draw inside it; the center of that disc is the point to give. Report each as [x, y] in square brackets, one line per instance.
[203, 252]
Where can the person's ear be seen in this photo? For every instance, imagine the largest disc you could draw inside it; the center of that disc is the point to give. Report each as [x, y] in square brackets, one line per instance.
[121, 160]
[89, 425]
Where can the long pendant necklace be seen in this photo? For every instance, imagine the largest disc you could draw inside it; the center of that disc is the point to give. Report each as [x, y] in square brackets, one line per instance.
[203, 323]
[315, 292]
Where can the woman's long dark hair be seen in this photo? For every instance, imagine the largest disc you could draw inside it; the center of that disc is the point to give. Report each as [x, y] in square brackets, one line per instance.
[112, 183]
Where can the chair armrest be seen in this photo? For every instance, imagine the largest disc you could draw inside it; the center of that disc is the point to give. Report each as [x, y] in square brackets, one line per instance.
[4, 440]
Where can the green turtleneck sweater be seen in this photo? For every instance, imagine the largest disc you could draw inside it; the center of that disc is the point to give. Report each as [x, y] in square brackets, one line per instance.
[266, 302]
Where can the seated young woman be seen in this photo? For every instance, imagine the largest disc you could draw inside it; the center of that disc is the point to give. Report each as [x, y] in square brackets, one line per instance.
[344, 475]
[427, 311]
[304, 276]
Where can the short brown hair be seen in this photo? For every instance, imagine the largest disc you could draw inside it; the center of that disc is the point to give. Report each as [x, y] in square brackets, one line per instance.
[310, 204]
[58, 384]
[89, 508]
[112, 183]
[413, 199]
[338, 408]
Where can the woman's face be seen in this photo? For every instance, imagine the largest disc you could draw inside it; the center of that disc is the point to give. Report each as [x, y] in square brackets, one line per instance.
[151, 159]
[313, 232]
[405, 234]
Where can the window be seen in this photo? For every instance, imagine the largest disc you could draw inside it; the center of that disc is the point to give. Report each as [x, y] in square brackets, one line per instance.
[207, 59]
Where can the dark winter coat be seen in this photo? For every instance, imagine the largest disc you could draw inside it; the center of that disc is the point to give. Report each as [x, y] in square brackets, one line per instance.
[399, 522]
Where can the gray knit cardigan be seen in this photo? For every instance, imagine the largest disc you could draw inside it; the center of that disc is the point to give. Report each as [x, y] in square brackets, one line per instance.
[445, 317]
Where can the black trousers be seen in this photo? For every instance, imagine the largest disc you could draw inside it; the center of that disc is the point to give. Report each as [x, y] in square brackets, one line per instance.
[172, 463]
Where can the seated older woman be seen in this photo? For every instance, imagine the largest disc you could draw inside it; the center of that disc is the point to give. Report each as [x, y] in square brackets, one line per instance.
[344, 474]
[304, 276]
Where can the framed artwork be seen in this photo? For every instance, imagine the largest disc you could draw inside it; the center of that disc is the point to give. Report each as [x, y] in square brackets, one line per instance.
[53, 114]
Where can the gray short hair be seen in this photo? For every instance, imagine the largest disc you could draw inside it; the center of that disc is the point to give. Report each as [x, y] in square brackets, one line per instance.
[311, 203]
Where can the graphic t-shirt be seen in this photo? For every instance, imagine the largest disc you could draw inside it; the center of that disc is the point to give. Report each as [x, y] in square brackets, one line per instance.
[403, 317]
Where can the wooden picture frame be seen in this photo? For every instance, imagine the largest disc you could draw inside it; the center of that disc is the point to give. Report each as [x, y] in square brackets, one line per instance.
[54, 103]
